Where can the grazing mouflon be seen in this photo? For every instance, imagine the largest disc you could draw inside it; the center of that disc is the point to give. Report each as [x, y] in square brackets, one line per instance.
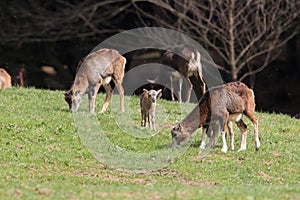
[219, 105]
[96, 69]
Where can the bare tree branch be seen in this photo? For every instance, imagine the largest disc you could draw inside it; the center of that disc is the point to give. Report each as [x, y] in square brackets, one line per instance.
[238, 31]
[57, 20]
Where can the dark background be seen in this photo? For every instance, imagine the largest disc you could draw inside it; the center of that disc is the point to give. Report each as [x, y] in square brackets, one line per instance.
[54, 33]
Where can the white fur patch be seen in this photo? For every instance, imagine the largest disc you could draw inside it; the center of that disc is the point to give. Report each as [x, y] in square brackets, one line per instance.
[106, 80]
[176, 75]
[235, 117]
[124, 62]
[253, 93]
[194, 63]
[193, 55]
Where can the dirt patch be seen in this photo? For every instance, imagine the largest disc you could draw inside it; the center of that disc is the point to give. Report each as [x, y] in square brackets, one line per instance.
[276, 154]
[265, 176]
[180, 178]
[133, 195]
[163, 172]
[42, 191]
[109, 177]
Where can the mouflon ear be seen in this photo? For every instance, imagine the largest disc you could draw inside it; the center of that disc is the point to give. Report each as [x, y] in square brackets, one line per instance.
[69, 93]
[159, 93]
[179, 126]
[145, 90]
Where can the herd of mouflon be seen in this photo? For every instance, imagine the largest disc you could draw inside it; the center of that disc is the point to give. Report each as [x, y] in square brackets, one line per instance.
[217, 109]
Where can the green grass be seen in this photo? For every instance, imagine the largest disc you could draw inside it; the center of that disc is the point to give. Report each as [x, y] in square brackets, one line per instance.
[43, 155]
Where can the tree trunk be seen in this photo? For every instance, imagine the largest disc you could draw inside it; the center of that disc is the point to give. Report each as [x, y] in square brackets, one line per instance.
[234, 74]
[232, 61]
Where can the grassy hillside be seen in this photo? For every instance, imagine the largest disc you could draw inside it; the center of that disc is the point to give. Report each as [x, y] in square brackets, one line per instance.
[43, 155]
